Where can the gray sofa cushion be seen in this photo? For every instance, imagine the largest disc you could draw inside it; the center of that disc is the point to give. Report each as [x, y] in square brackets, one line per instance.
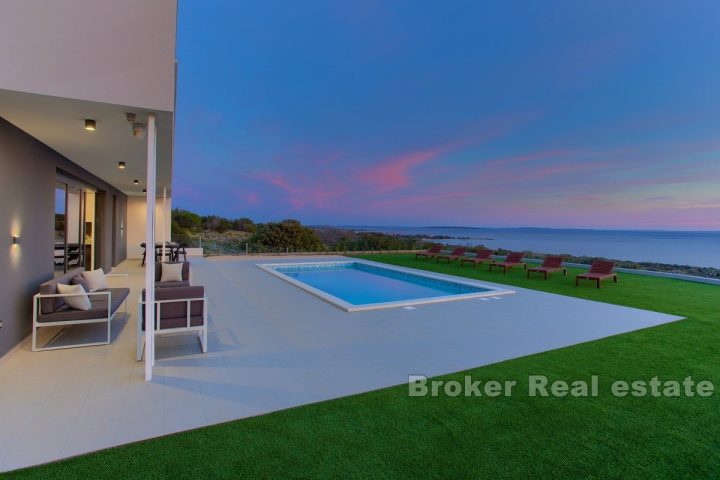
[49, 305]
[174, 315]
[185, 271]
[99, 308]
[184, 283]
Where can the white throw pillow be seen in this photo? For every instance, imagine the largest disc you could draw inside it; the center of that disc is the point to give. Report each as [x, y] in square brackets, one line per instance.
[171, 272]
[78, 302]
[96, 280]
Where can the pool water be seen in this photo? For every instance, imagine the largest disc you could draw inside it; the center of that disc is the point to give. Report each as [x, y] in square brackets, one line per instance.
[363, 284]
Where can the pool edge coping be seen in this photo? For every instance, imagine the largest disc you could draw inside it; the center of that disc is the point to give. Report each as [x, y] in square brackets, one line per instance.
[349, 307]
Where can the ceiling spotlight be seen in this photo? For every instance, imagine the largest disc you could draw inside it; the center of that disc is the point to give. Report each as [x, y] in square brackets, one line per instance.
[121, 165]
[138, 130]
[90, 125]
[136, 182]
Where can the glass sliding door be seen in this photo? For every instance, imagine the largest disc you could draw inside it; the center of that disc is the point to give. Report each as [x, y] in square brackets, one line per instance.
[60, 202]
[73, 228]
[75, 233]
[89, 230]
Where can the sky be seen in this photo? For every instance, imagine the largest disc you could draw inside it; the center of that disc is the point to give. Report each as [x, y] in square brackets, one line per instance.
[567, 114]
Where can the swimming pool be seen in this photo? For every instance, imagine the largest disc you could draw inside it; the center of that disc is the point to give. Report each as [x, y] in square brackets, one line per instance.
[361, 285]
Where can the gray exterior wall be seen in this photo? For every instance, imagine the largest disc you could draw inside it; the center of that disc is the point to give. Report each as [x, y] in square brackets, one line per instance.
[27, 205]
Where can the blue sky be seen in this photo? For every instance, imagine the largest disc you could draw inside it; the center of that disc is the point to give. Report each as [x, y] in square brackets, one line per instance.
[556, 114]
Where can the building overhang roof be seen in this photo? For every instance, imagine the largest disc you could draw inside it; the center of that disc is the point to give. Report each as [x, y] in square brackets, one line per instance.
[60, 124]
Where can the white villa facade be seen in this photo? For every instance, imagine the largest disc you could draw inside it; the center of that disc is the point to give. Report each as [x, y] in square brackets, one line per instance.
[87, 102]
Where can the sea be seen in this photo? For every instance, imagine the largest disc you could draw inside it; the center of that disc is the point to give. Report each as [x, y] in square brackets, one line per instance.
[699, 249]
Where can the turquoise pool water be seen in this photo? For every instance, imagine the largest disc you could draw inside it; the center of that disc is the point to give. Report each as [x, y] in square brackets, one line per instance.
[362, 284]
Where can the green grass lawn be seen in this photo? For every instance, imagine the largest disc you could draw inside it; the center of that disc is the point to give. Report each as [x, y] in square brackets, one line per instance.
[386, 434]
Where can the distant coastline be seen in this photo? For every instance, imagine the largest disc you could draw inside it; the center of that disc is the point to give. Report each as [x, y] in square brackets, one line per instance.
[690, 253]
[678, 251]
[461, 227]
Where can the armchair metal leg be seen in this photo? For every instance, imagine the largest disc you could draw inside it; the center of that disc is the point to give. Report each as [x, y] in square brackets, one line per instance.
[140, 348]
[202, 335]
[203, 340]
[34, 326]
[140, 339]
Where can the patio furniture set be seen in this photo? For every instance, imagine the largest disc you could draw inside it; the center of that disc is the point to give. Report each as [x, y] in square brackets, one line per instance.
[81, 297]
[599, 270]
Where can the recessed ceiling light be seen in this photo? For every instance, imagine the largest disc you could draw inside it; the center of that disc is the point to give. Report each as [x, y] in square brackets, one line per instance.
[90, 125]
[121, 165]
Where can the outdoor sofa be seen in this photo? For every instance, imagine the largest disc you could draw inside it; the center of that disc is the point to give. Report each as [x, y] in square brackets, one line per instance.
[50, 309]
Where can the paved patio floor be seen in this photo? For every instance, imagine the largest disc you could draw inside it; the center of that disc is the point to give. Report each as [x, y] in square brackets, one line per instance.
[271, 346]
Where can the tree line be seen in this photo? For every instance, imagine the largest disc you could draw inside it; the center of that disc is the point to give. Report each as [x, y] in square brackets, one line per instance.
[222, 235]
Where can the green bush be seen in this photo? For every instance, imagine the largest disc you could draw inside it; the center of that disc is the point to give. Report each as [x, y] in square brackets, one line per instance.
[244, 225]
[289, 235]
[185, 220]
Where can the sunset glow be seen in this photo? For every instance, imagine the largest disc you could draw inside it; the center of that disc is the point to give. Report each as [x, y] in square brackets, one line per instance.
[579, 114]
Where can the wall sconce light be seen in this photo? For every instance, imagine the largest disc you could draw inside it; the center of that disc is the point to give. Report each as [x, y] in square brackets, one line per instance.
[144, 190]
[16, 239]
[90, 125]
[136, 182]
[121, 165]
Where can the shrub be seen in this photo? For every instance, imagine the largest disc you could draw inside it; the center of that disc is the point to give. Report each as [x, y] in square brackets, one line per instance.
[185, 220]
[287, 234]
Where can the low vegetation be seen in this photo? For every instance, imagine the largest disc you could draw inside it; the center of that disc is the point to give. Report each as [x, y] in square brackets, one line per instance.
[223, 236]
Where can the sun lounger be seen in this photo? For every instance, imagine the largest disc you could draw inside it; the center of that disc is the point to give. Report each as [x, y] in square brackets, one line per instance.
[599, 270]
[552, 263]
[457, 253]
[433, 251]
[513, 259]
[483, 255]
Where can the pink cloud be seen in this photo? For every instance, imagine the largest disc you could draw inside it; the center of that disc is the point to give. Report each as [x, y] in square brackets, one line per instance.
[187, 192]
[319, 191]
[250, 197]
[394, 173]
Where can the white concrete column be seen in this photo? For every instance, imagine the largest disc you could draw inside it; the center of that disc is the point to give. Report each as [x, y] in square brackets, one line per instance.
[164, 219]
[150, 249]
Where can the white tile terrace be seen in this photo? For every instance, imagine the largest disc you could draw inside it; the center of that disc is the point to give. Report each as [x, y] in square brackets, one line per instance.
[271, 346]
